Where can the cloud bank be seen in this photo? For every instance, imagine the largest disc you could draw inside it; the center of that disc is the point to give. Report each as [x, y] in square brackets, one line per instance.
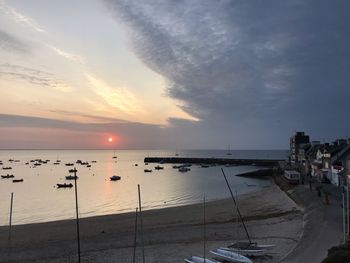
[261, 64]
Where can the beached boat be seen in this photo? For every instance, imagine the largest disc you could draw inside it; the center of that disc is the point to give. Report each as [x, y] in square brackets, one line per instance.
[7, 176]
[115, 178]
[195, 259]
[71, 177]
[17, 180]
[147, 171]
[247, 252]
[229, 256]
[6, 168]
[64, 185]
[248, 245]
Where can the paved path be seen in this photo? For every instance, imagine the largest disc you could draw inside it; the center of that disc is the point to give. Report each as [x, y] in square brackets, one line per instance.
[323, 224]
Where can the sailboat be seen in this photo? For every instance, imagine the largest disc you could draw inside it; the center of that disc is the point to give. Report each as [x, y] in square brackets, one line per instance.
[230, 256]
[245, 247]
[229, 151]
[195, 259]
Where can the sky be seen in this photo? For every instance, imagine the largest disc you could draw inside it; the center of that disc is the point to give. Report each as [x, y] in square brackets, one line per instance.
[185, 74]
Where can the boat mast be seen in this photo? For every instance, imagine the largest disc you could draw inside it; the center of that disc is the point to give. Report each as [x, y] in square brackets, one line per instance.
[135, 235]
[76, 211]
[204, 230]
[238, 212]
[143, 245]
[10, 228]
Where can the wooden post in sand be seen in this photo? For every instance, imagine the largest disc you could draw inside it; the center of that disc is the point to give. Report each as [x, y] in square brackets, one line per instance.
[76, 210]
[141, 223]
[135, 235]
[204, 230]
[10, 228]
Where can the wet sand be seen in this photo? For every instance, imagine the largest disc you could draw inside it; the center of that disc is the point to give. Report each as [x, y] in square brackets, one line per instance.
[170, 234]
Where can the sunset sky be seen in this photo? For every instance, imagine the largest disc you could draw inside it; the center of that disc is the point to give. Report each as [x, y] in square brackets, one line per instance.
[172, 74]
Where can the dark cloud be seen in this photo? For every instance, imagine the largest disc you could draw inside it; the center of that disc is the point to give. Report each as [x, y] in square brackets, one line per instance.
[11, 43]
[273, 66]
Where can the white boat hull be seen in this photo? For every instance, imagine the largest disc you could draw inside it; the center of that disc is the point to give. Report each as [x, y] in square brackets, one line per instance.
[230, 256]
[247, 252]
[195, 259]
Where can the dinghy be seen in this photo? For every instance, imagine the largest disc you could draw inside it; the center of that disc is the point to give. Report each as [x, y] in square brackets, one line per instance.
[248, 245]
[230, 256]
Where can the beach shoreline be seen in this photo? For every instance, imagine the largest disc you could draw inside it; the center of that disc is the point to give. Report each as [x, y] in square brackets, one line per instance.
[170, 234]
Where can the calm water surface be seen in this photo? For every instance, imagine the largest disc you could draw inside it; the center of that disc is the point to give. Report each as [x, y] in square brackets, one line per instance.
[38, 200]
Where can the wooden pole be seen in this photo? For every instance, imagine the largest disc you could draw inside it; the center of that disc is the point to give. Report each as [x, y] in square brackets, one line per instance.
[10, 229]
[141, 223]
[135, 235]
[204, 229]
[76, 210]
[238, 212]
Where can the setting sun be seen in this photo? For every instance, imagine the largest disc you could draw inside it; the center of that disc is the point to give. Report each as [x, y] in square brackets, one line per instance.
[110, 139]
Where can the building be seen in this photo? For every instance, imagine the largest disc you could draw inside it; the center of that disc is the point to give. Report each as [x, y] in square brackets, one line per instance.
[297, 143]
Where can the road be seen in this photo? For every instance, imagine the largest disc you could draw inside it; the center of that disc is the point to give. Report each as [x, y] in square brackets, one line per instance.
[323, 223]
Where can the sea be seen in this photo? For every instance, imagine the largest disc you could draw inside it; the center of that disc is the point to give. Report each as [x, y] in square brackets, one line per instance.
[37, 199]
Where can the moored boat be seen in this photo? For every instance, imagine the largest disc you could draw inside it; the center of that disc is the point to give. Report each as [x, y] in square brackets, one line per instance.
[71, 177]
[147, 171]
[229, 256]
[159, 167]
[17, 180]
[115, 178]
[65, 185]
[6, 168]
[247, 245]
[7, 176]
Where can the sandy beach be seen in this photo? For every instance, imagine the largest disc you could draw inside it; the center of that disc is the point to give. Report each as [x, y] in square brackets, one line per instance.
[170, 234]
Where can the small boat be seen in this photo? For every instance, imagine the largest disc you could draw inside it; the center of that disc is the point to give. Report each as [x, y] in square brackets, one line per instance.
[72, 170]
[229, 256]
[184, 169]
[246, 252]
[159, 167]
[136, 164]
[69, 164]
[115, 178]
[6, 168]
[247, 245]
[7, 176]
[205, 166]
[147, 171]
[17, 180]
[71, 177]
[64, 185]
[56, 163]
[195, 259]
[94, 161]
[89, 165]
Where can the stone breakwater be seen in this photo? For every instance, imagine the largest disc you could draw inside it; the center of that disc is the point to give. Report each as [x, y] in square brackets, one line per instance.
[219, 161]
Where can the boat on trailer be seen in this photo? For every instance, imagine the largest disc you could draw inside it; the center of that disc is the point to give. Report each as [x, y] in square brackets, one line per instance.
[229, 256]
